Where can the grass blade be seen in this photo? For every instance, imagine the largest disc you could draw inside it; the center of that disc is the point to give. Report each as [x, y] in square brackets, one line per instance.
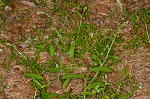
[102, 69]
[72, 49]
[66, 83]
[44, 94]
[35, 76]
[126, 96]
[87, 93]
[51, 50]
[73, 76]
[52, 95]
[79, 14]
[37, 83]
[93, 85]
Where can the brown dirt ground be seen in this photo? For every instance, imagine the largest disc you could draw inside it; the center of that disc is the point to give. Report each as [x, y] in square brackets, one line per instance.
[138, 62]
[15, 86]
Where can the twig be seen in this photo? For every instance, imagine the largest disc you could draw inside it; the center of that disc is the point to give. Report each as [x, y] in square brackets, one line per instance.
[120, 4]
[147, 32]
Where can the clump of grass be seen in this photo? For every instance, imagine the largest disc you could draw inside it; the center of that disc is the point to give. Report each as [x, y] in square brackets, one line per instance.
[141, 21]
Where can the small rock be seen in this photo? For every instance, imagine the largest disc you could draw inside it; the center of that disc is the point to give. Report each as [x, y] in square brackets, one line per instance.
[26, 43]
[7, 8]
[28, 3]
[1, 50]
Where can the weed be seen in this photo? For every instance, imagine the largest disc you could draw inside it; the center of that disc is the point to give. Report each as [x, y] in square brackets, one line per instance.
[140, 20]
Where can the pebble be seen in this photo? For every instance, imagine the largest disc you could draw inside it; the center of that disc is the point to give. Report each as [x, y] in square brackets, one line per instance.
[27, 3]
[7, 8]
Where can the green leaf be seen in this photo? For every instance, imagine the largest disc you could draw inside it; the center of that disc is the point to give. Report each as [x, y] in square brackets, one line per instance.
[105, 97]
[108, 84]
[44, 94]
[96, 59]
[85, 8]
[44, 86]
[37, 83]
[100, 62]
[42, 32]
[115, 57]
[102, 69]
[73, 76]
[126, 96]
[94, 56]
[72, 48]
[66, 83]
[35, 76]
[79, 14]
[53, 70]
[93, 85]
[52, 95]
[37, 38]
[114, 95]
[51, 50]
[60, 97]
[40, 47]
[101, 89]
[126, 72]
[87, 93]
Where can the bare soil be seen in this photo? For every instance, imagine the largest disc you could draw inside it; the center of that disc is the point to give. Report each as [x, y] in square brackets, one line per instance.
[138, 61]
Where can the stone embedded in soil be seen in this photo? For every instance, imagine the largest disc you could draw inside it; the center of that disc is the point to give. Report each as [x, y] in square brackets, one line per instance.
[7, 8]
[25, 2]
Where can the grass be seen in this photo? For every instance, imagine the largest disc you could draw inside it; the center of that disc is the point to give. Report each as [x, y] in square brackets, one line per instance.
[140, 21]
[75, 37]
